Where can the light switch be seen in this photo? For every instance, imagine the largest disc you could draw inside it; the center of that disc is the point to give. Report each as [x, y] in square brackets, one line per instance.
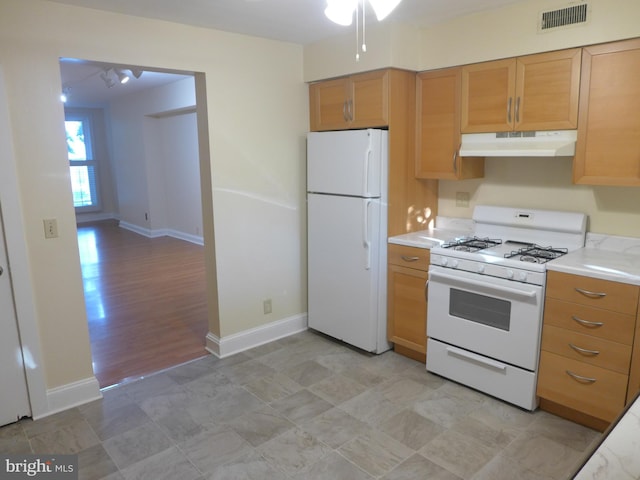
[50, 228]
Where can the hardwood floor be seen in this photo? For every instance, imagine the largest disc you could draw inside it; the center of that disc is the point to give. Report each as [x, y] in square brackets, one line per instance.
[145, 301]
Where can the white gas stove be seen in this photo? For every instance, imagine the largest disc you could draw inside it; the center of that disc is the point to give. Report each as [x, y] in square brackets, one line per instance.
[486, 298]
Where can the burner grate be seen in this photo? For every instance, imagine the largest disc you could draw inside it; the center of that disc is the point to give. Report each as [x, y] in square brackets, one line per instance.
[472, 244]
[537, 254]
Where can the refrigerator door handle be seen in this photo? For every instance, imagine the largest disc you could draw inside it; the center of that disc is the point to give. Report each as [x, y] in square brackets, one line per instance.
[365, 180]
[365, 235]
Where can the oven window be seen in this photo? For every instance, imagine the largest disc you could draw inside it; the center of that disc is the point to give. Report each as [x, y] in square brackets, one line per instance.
[480, 309]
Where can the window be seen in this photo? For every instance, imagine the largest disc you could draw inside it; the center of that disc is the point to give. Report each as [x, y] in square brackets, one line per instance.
[82, 163]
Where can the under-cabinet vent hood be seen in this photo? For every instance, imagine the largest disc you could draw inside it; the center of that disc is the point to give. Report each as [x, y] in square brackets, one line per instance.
[558, 143]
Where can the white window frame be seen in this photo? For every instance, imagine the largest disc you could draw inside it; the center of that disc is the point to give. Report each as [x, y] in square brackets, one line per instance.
[90, 162]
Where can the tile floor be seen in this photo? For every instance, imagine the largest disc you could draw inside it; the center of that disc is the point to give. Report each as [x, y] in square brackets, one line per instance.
[304, 407]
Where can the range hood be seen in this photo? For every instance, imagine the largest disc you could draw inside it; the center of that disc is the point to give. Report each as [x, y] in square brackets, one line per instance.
[558, 143]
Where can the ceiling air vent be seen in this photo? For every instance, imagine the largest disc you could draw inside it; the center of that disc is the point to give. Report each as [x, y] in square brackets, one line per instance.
[563, 17]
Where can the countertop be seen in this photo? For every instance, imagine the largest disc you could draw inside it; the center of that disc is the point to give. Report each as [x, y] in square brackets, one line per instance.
[617, 455]
[427, 238]
[608, 258]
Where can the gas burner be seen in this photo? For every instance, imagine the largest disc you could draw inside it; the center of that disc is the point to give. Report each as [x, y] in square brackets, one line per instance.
[537, 254]
[473, 244]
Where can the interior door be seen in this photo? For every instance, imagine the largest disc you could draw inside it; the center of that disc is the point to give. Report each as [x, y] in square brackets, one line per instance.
[14, 400]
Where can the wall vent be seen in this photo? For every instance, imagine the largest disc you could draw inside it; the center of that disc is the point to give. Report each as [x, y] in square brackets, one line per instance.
[563, 17]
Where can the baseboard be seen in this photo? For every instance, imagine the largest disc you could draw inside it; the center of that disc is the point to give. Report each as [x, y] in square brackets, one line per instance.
[71, 395]
[94, 217]
[162, 232]
[241, 341]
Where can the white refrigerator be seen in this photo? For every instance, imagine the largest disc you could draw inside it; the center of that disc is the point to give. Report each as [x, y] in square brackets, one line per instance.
[347, 235]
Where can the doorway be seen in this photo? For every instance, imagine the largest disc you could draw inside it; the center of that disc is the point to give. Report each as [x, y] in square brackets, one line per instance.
[142, 257]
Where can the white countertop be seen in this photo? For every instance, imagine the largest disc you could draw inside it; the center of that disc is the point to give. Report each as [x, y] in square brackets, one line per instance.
[427, 238]
[617, 456]
[598, 263]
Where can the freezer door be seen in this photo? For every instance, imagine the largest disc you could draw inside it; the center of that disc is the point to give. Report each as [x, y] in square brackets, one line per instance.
[346, 277]
[347, 163]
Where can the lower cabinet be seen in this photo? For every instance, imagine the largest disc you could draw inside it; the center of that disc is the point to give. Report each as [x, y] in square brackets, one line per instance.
[587, 346]
[407, 300]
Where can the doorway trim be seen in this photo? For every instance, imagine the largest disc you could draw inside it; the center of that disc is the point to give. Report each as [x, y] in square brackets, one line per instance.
[19, 260]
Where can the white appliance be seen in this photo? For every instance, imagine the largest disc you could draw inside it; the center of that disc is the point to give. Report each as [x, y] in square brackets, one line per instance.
[486, 298]
[346, 235]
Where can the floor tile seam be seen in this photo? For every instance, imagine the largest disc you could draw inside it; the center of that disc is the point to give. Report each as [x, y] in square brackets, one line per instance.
[337, 451]
[186, 456]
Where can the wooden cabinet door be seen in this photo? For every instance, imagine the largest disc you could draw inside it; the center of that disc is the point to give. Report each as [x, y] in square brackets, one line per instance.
[407, 307]
[547, 90]
[358, 101]
[328, 105]
[608, 146]
[487, 96]
[438, 128]
[634, 372]
[368, 100]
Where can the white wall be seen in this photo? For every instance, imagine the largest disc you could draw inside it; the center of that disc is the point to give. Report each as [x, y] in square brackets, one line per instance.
[155, 145]
[177, 137]
[257, 117]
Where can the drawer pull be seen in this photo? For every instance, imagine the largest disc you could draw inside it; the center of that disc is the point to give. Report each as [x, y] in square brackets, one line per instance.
[587, 323]
[410, 259]
[589, 294]
[584, 351]
[580, 378]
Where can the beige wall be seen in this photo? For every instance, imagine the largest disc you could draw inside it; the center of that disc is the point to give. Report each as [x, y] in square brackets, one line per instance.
[257, 118]
[500, 33]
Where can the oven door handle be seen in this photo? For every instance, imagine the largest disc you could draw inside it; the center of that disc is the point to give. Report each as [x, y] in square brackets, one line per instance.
[435, 276]
[475, 358]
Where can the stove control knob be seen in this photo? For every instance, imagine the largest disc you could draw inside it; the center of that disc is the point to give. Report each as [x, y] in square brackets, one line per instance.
[480, 268]
[444, 261]
[509, 273]
[454, 263]
[522, 276]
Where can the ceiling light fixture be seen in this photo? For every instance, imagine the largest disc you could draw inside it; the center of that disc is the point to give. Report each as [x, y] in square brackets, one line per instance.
[341, 12]
[122, 77]
[136, 72]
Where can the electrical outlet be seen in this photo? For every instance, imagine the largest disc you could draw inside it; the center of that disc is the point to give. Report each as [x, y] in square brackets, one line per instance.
[266, 306]
[50, 228]
[462, 199]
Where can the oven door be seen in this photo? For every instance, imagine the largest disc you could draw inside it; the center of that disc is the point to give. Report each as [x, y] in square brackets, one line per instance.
[498, 318]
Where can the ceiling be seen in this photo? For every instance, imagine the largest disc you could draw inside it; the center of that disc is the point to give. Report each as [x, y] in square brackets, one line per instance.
[295, 21]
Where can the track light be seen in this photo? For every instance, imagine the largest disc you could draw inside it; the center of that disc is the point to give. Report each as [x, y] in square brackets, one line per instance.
[106, 77]
[64, 96]
[122, 77]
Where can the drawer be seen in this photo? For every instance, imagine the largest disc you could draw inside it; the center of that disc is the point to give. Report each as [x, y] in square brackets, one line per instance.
[412, 257]
[594, 292]
[613, 326]
[585, 348]
[601, 394]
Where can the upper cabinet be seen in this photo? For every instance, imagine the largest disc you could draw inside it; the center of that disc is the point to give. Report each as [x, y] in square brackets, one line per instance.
[356, 101]
[534, 92]
[608, 146]
[438, 128]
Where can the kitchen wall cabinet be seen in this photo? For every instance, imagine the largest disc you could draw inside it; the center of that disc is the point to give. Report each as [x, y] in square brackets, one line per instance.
[356, 101]
[438, 128]
[534, 92]
[608, 146]
[407, 300]
[587, 342]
